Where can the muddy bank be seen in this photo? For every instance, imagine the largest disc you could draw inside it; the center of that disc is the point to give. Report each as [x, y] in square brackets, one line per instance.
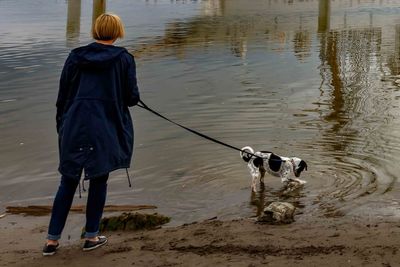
[318, 242]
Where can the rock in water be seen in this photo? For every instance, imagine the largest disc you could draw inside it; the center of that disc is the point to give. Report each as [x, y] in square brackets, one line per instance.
[278, 213]
[131, 222]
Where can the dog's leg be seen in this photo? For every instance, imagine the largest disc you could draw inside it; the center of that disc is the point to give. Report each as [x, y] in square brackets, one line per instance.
[262, 174]
[254, 184]
[255, 175]
[285, 172]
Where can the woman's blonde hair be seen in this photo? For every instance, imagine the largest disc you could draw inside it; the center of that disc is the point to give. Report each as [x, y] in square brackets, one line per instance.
[108, 27]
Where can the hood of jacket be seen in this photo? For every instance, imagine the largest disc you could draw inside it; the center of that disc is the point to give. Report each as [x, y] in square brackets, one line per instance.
[96, 55]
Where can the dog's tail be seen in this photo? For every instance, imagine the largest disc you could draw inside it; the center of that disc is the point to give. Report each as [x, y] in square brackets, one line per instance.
[246, 156]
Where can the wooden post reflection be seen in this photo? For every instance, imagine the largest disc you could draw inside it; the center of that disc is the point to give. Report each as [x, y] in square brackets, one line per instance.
[214, 8]
[329, 58]
[73, 22]
[332, 58]
[222, 6]
[330, 68]
[397, 42]
[394, 60]
[324, 14]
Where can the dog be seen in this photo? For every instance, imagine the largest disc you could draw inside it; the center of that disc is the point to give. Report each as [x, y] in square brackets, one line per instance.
[260, 162]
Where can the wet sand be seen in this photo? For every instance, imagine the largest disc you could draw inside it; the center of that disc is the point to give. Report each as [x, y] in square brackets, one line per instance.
[345, 241]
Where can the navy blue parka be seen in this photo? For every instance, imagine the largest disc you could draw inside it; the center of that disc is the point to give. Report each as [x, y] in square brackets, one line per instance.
[94, 125]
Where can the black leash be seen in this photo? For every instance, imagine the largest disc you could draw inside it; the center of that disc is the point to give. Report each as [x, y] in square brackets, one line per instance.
[144, 106]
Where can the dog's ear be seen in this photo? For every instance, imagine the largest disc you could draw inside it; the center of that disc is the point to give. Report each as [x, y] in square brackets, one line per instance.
[246, 153]
[302, 167]
[258, 162]
[246, 157]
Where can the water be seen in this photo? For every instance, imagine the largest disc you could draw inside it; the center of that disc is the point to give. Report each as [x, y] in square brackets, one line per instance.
[315, 79]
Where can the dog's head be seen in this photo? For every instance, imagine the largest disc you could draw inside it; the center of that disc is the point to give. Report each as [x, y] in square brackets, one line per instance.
[246, 156]
[299, 166]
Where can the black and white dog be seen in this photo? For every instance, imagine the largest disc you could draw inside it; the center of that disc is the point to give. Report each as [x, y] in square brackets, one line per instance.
[261, 162]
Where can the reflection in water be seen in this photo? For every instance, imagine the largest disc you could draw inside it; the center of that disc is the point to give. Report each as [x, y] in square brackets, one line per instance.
[182, 35]
[394, 59]
[213, 8]
[238, 40]
[330, 65]
[257, 199]
[302, 42]
[346, 58]
[73, 22]
[349, 59]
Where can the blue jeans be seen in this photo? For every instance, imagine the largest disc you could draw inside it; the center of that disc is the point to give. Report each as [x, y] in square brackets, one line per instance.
[63, 201]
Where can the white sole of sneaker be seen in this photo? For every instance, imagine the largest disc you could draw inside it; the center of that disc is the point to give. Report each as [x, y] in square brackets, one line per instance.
[50, 253]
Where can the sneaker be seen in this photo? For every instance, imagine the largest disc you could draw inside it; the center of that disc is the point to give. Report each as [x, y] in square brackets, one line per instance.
[49, 250]
[90, 245]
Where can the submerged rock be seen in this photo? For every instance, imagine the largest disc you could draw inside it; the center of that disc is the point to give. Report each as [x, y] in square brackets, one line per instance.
[132, 222]
[278, 213]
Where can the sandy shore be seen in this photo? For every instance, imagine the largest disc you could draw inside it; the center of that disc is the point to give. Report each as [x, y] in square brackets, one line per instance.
[319, 242]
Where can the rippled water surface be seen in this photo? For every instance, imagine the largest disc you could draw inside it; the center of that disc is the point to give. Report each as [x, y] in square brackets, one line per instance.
[315, 79]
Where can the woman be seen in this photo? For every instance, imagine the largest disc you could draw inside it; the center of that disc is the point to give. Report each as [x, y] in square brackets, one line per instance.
[97, 85]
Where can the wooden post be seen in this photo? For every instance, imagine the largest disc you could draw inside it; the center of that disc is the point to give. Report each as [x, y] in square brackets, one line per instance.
[73, 22]
[99, 7]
